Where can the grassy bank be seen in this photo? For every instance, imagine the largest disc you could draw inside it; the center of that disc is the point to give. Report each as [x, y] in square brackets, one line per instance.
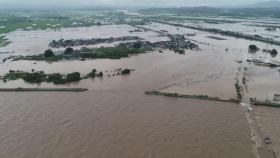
[264, 103]
[201, 97]
[43, 89]
[117, 52]
[4, 41]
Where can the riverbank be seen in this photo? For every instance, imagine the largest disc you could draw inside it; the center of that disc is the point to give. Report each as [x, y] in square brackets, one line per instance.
[264, 103]
[201, 97]
[43, 89]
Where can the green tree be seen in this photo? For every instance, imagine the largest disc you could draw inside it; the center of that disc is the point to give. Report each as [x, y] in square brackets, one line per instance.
[48, 53]
[125, 72]
[73, 77]
[253, 48]
[69, 50]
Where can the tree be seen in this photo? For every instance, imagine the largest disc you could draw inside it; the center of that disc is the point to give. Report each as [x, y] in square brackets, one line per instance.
[36, 77]
[253, 48]
[100, 74]
[92, 74]
[48, 53]
[69, 50]
[274, 52]
[137, 45]
[56, 78]
[73, 77]
[125, 72]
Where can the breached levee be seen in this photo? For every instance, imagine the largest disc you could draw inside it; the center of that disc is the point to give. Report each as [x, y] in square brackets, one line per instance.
[201, 97]
[43, 89]
[264, 103]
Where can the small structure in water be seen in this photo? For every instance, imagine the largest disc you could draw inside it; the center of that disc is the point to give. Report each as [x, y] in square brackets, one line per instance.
[267, 140]
[264, 62]
[276, 98]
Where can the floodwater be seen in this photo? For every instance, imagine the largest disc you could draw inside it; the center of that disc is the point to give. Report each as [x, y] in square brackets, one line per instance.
[268, 119]
[36, 41]
[115, 119]
[249, 26]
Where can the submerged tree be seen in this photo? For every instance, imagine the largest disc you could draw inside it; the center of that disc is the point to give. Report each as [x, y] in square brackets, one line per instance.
[125, 72]
[48, 53]
[253, 48]
[69, 50]
[73, 77]
[274, 52]
[36, 77]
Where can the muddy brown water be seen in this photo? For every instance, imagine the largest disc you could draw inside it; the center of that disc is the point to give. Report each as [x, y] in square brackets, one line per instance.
[119, 123]
[115, 119]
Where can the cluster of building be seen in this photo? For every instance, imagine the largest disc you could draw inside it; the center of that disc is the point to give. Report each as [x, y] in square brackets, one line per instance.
[177, 43]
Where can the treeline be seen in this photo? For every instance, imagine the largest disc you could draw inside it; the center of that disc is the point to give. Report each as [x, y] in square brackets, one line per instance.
[200, 11]
[69, 53]
[56, 78]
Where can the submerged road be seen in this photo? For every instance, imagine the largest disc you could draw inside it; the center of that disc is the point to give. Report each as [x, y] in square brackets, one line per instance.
[260, 149]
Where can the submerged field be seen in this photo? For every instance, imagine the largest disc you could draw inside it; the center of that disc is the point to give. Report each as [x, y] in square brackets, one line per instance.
[115, 114]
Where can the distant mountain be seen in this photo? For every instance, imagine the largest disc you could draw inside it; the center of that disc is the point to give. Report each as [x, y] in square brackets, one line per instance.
[181, 10]
[255, 10]
[269, 4]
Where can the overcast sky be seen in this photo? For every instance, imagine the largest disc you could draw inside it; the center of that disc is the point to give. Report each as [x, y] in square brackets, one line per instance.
[123, 3]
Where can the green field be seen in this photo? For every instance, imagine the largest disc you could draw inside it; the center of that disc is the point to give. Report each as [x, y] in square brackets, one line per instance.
[44, 20]
[117, 52]
[4, 41]
[33, 20]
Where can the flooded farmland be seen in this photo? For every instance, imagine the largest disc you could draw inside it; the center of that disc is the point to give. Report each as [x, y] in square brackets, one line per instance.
[115, 118]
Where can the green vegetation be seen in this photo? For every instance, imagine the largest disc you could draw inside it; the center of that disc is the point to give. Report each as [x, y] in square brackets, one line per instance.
[92, 74]
[40, 57]
[53, 20]
[36, 77]
[180, 51]
[109, 52]
[203, 97]
[125, 71]
[56, 78]
[117, 52]
[57, 19]
[274, 52]
[253, 48]
[238, 90]
[16, 22]
[40, 76]
[244, 80]
[69, 51]
[73, 77]
[4, 41]
[254, 101]
[19, 89]
[48, 53]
